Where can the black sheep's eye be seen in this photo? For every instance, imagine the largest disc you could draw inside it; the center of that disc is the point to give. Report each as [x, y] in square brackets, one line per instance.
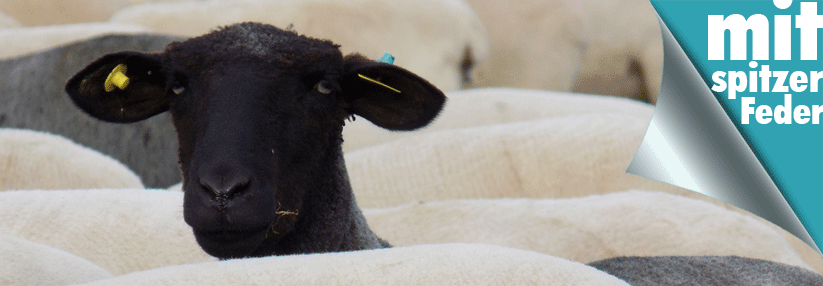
[324, 87]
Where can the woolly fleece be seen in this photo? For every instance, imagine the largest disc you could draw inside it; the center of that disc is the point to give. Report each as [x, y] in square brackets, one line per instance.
[120, 230]
[489, 106]
[39, 160]
[32, 264]
[585, 229]
[447, 264]
[549, 158]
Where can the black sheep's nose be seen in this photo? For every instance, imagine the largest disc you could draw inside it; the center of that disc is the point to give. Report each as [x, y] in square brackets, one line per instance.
[225, 186]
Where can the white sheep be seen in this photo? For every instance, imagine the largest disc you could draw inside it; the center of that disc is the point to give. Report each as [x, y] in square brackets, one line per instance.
[436, 39]
[576, 144]
[90, 224]
[547, 158]
[489, 106]
[585, 229]
[535, 44]
[122, 230]
[32, 264]
[7, 21]
[610, 47]
[624, 52]
[58, 12]
[26, 40]
[41, 13]
[446, 264]
[37, 160]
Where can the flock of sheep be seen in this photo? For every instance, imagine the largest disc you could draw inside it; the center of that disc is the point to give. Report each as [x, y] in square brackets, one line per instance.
[519, 179]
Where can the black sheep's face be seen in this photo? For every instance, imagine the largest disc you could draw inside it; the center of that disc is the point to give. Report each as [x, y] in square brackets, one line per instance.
[259, 114]
[253, 136]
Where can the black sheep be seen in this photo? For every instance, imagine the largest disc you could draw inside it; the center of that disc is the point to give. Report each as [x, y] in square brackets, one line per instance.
[259, 113]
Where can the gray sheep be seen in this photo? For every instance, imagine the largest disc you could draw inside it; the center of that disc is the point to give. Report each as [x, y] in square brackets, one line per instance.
[705, 271]
[32, 96]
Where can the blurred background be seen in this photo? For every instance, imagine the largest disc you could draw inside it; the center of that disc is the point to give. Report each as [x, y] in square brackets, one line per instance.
[603, 47]
[609, 47]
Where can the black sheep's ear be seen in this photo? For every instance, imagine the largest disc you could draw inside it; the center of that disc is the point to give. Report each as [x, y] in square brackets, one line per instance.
[121, 87]
[389, 96]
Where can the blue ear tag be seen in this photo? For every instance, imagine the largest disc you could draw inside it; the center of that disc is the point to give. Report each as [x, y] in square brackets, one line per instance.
[386, 58]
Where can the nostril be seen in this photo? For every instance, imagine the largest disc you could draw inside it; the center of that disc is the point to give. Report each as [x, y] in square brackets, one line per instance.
[225, 190]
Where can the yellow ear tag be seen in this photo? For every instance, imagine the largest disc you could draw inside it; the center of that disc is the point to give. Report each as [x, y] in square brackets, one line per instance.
[379, 83]
[117, 78]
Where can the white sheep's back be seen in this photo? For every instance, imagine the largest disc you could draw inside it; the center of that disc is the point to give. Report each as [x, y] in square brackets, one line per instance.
[120, 230]
[585, 229]
[427, 37]
[446, 264]
[34, 264]
[39, 160]
[27, 40]
[490, 106]
[554, 157]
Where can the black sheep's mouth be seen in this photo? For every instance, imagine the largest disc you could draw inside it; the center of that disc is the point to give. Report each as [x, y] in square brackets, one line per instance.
[231, 243]
[230, 236]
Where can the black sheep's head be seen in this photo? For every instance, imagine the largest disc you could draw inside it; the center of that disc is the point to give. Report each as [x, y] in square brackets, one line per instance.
[259, 113]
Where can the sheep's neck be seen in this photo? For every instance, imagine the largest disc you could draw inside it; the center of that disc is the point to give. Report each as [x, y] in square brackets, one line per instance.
[330, 219]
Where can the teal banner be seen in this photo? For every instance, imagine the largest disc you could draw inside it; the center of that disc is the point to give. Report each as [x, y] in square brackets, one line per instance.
[738, 117]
